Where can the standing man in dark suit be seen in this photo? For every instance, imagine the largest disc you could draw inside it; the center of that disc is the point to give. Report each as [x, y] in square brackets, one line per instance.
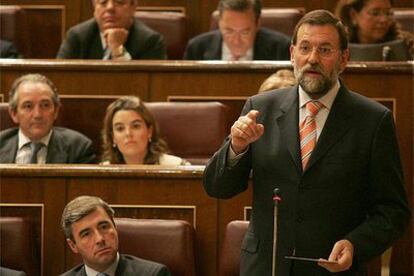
[338, 170]
[89, 227]
[239, 36]
[113, 33]
[34, 106]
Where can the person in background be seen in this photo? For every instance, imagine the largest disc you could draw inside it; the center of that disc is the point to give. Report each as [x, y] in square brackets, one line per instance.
[34, 105]
[371, 21]
[281, 79]
[8, 50]
[89, 228]
[130, 135]
[239, 37]
[113, 33]
[331, 152]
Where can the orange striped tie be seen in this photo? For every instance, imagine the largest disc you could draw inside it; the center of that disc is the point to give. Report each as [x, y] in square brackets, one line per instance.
[307, 131]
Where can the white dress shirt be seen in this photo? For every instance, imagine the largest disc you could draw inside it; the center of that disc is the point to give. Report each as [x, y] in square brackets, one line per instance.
[110, 271]
[24, 151]
[320, 119]
[227, 55]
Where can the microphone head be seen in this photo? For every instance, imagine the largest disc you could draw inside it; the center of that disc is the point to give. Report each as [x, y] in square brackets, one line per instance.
[276, 196]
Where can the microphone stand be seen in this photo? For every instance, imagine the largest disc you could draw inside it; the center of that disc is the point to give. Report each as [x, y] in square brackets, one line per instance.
[276, 199]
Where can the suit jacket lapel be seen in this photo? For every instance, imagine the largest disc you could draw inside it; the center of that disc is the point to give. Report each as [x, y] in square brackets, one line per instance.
[56, 152]
[8, 154]
[336, 125]
[214, 50]
[287, 120]
[94, 46]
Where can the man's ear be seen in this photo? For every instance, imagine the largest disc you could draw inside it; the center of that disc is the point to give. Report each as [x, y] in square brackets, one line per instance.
[13, 115]
[292, 54]
[72, 246]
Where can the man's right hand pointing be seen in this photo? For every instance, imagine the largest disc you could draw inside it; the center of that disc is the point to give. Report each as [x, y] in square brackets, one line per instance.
[245, 131]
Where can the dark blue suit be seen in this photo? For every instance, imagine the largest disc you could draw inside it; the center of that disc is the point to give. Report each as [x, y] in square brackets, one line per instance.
[84, 41]
[268, 45]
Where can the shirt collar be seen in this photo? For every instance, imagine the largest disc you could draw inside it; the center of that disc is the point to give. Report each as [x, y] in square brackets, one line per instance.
[110, 270]
[226, 54]
[23, 139]
[327, 99]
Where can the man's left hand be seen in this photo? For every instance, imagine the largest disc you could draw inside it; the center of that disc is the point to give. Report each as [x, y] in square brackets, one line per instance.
[342, 254]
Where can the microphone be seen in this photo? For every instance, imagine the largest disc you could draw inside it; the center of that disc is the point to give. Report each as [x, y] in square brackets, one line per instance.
[386, 53]
[276, 199]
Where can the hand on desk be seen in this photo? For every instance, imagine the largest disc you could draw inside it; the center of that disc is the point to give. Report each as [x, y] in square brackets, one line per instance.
[245, 131]
[342, 253]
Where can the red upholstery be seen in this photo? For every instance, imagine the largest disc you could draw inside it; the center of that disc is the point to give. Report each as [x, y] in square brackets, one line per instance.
[18, 250]
[170, 242]
[12, 28]
[229, 263]
[172, 25]
[5, 119]
[279, 19]
[405, 17]
[193, 131]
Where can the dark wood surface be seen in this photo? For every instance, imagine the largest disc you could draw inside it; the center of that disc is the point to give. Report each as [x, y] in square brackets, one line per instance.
[49, 20]
[157, 80]
[41, 192]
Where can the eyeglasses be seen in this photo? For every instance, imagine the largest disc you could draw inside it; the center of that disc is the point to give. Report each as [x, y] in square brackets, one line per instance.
[377, 13]
[323, 51]
[232, 33]
[115, 2]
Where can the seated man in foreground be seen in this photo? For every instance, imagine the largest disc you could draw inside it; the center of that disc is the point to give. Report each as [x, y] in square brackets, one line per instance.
[34, 105]
[89, 228]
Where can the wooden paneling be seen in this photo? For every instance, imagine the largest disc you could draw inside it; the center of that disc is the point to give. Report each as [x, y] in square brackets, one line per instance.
[76, 11]
[139, 191]
[157, 80]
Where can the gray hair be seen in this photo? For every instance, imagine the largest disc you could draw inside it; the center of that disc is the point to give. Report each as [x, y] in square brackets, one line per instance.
[79, 208]
[35, 78]
[240, 5]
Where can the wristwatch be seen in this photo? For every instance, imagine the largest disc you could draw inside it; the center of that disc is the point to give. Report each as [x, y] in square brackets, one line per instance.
[119, 52]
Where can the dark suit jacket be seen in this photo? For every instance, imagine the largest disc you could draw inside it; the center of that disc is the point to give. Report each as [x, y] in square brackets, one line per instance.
[268, 45]
[8, 50]
[352, 188]
[65, 146]
[84, 41]
[128, 265]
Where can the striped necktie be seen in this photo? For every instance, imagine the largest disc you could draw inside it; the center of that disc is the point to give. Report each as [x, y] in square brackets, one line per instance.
[307, 131]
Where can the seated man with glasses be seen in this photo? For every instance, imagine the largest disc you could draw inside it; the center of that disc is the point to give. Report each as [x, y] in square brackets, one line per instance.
[239, 36]
[371, 22]
[113, 33]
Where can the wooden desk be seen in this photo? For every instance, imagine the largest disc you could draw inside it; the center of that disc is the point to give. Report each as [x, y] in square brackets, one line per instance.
[392, 82]
[41, 192]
